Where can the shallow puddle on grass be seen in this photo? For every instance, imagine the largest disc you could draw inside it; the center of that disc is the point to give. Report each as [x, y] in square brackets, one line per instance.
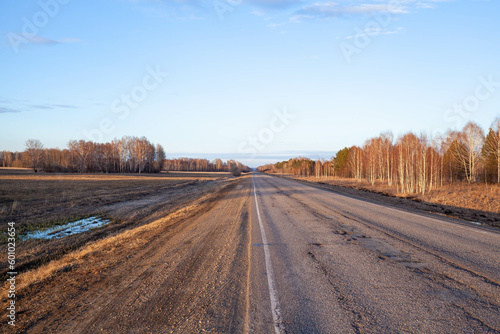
[79, 226]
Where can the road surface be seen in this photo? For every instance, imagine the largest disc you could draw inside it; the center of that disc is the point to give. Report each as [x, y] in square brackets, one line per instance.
[277, 256]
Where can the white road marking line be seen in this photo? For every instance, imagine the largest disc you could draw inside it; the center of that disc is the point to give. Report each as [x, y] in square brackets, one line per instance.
[273, 294]
[464, 227]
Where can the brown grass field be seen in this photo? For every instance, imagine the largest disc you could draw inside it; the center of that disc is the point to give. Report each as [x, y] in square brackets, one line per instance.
[470, 196]
[37, 201]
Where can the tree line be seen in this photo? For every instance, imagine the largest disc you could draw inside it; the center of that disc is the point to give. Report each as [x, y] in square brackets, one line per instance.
[411, 163]
[203, 165]
[125, 155]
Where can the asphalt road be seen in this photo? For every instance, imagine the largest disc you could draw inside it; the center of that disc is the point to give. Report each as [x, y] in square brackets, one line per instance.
[341, 265]
[271, 255]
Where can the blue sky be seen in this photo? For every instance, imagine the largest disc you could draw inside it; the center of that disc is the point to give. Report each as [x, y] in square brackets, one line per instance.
[210, 77]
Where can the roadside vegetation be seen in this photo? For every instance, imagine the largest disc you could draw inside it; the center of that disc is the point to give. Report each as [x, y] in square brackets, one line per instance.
[125, 155]
[460, 169]
[43, 200]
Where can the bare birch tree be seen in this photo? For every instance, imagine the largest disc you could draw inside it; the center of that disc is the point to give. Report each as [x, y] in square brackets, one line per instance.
[469, 152]
[492, 146]
[34, 153]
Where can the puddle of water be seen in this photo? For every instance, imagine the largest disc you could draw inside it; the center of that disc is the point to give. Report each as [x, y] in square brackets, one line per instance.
[79, 226]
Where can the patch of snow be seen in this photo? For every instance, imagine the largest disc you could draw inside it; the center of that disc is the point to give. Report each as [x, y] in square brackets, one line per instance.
[56, 232]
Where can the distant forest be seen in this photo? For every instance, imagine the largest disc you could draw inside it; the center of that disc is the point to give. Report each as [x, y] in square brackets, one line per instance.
[125, 155]
[411, 163]
[203, 165]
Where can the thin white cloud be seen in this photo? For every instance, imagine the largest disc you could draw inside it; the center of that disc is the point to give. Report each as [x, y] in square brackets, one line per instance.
[38, 39]
[69, 40]
[4, 110]
[301, 17]
[330, 9]
[49, 106]
[258, 12]
[276, 25]
[334, 9]
[376, 32]
[16, 106]
[35, 39]
[277, 4]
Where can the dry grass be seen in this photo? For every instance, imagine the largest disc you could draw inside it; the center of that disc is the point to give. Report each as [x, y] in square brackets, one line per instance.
[129, 239]
[36, 201]
[482, 197]
[96, 258]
